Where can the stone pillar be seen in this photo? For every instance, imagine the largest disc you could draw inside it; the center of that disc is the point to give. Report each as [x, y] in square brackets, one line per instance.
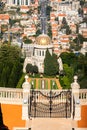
[75, 95]
[15, 2]
[24, 2]
[26, 99]
[19, 2]
[28, 2]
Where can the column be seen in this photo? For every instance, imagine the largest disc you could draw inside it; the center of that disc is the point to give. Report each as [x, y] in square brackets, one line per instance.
[26, 99]
[12, 2]
[28, 2]
[15, 2]
[24, 2]
[19, 2]
[75, 95]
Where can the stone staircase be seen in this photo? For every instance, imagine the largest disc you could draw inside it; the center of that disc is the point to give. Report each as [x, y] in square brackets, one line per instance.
[52, 124]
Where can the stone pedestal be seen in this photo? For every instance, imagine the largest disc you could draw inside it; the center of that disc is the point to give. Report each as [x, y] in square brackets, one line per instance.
[75, 100]
[26, 99]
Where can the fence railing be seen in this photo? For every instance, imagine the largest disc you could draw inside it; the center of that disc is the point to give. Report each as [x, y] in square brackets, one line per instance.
[11, 95]
[15, 95]
[83, 96]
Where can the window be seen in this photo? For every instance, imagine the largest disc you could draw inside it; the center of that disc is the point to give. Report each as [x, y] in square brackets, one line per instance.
[17, 2]
[26, 2]
[42, 53]
[14, 1]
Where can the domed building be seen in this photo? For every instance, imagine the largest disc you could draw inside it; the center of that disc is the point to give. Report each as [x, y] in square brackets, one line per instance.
[38, 52]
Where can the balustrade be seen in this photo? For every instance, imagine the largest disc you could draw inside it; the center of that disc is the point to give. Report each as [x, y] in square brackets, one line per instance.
[11, 94]
[83, 96]
[15, 94]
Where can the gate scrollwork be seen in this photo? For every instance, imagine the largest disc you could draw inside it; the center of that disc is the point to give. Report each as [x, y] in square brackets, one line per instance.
[53, 104]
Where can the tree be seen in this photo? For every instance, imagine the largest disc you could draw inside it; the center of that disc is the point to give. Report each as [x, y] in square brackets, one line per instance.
[2, 5]
[38, 32]
[68, 58]
[26, 40]
[4, 28]
[57, 19]
[67, 79]
[3, 78]
[9, 54]
[13, 21]
[50, 64]
[49, 31]
[35, 69]
[55, 63]
[29, 68]
[69, 72]
[80, 11]
[39, 8]
[65, 26]
[10, 65]
[68, 30]
[79, 39]
[64, 22]
[82, 70]
[12, 78]
[48, 10]
[15, 75]
[1, 35]
[47, 62]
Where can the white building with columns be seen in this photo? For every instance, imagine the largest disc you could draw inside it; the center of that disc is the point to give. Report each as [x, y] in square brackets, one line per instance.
[36, 52]
[18, 2]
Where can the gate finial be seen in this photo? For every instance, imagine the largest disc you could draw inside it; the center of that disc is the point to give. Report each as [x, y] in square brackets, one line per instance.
[26, 98]
[26, 84]
[75, 84]
[76, 106]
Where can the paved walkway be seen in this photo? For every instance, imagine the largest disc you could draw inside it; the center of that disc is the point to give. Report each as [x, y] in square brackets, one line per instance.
[58, 84]
[52, 124]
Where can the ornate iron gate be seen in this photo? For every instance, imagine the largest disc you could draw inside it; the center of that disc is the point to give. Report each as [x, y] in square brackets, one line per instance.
[53, 104]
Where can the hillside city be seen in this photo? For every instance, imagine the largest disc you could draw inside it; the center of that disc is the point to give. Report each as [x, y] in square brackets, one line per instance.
[43, 64]
[63, 23]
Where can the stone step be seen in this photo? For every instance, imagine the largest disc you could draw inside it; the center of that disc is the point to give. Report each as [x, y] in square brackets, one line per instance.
[52, 124]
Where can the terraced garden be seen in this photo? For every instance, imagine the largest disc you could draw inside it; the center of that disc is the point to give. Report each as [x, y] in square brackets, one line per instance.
[45, 83]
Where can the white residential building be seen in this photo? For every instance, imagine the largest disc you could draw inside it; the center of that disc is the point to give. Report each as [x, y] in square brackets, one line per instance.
[17, 2]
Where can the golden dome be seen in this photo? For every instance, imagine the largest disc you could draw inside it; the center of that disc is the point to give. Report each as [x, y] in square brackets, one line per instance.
[43, 39]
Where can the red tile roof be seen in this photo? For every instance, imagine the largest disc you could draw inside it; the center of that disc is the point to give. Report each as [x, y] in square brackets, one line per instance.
[4, 17]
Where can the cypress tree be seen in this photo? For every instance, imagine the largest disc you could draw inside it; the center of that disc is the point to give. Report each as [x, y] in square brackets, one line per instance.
[50, 64]
[3, 78]
[47, 63]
